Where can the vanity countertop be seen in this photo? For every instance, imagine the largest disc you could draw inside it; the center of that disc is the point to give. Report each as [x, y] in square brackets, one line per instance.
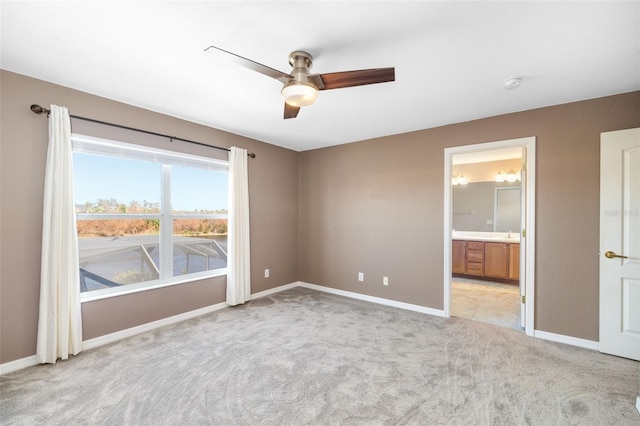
[491, 237]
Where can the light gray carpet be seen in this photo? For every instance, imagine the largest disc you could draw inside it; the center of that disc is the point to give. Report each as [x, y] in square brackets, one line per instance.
[301, 357]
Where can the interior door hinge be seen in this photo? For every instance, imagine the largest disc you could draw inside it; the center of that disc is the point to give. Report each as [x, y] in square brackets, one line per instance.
[524, 233]
[524, 299]
[524, 167]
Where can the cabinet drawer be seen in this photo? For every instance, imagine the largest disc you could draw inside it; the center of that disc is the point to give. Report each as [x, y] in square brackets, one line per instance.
[478, 245]
[474, 268]
[475, 255]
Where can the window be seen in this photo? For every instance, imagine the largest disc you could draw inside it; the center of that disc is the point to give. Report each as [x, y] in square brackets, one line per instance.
[147, 217]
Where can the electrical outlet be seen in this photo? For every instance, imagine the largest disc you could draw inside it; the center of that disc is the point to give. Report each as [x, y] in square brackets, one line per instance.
[385, 280]
[360, 276]
[266, 273]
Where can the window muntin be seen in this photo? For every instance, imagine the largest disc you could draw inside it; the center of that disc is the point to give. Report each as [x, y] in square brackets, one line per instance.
[171, 226]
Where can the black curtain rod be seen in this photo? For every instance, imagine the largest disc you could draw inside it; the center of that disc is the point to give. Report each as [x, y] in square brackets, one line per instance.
[37, 109]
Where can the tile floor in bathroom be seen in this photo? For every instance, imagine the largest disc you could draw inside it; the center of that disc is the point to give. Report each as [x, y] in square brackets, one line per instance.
[486, 301]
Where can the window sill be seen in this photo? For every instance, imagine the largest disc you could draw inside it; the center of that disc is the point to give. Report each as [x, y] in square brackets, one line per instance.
[106, 293]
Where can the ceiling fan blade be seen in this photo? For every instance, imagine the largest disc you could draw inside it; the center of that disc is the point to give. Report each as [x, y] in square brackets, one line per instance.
[252, 65]
[339, 80]
[290, 111]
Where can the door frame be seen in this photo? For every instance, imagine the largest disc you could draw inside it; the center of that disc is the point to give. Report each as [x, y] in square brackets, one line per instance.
[526, 279]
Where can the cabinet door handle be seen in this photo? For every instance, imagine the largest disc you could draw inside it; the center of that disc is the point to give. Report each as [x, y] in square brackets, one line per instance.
[612, 255]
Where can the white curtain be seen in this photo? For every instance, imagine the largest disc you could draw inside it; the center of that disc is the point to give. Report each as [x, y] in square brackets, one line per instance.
[238, 251]
[60, 322]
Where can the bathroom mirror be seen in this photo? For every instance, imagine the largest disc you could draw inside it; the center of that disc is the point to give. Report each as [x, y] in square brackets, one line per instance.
[486, 207]
[506, 211]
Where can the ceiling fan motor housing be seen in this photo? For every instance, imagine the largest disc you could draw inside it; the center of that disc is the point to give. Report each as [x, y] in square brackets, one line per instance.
[298, 58]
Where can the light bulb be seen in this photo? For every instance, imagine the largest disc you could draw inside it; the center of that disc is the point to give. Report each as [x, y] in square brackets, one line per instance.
[299, 94]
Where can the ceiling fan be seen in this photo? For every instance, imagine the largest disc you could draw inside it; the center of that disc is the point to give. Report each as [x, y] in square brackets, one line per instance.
[301, 88]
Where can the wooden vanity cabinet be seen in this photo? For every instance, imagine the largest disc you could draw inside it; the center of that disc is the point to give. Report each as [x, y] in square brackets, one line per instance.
[459, 257]
[496, 260]
[486, 259]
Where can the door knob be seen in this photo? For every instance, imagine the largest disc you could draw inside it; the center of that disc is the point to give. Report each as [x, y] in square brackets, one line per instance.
[611, 255]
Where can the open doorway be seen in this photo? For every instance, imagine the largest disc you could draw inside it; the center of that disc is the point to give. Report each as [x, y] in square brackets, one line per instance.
[486, 221]
[489, 252]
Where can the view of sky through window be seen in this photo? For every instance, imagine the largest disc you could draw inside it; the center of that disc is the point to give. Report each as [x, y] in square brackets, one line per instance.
[198, 189]
[126, 180]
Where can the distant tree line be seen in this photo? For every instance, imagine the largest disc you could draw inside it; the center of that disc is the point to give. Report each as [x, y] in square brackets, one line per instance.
[122, 227]
[111, 205]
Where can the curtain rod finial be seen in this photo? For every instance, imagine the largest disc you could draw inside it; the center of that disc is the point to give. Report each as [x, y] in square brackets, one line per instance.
[37, 109]
[252, 155]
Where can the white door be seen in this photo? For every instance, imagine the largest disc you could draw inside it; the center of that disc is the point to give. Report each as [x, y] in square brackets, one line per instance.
[620, 243]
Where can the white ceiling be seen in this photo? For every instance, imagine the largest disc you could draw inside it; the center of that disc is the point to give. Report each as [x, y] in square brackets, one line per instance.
[451, 59]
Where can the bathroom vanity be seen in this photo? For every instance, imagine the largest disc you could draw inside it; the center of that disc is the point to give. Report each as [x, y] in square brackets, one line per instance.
[491, 255]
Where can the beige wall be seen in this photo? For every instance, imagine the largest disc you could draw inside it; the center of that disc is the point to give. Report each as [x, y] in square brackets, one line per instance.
[322, 216]
[377, 207]
[273, 177]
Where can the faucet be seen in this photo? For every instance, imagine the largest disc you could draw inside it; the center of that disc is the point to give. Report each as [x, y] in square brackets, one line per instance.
[509, 234]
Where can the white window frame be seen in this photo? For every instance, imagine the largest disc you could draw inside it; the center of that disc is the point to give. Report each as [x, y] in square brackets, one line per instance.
[98, 146]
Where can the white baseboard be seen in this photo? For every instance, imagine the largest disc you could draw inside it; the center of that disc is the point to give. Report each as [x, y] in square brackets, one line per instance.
[122, 334]
[638, 404]
[30, 361]
[274, 290]
[568, 340]
[18, 364]
[560, 338]
[143, 328]
[373, 299]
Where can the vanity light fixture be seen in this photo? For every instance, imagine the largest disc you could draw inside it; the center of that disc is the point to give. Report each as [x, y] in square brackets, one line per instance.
[510, 176]
[459, 180]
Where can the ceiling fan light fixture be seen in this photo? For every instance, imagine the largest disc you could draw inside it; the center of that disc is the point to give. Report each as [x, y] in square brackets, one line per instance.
[299, 93]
